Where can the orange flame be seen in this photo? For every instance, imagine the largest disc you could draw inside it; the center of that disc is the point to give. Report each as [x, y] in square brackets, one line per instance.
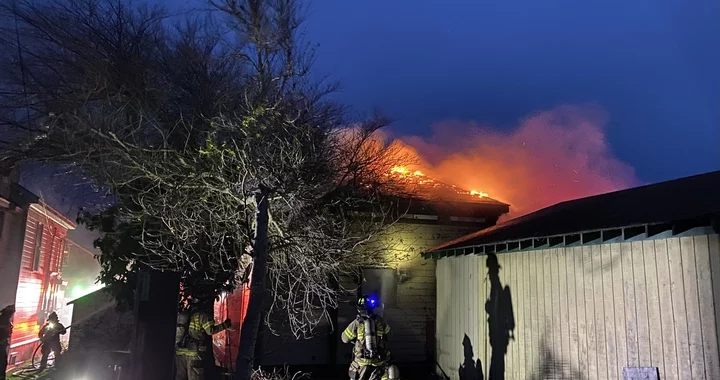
[549, 157]
[480, 194]
[419, 177]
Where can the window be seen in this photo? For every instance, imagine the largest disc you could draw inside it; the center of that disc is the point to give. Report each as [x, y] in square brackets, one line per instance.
[38, 246]
[65, 254]
[382, 283]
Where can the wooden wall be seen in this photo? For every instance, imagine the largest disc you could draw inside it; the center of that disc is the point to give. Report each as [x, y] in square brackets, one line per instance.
[29, 296]
[587, 312]
[98, 325]
[414, 311]
[409, 318]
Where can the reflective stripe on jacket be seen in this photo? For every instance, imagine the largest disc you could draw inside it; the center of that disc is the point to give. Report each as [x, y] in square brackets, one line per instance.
[200, 329]
[356, 330]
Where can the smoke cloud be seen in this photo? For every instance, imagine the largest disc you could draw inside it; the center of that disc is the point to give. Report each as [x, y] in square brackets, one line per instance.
[549, 157]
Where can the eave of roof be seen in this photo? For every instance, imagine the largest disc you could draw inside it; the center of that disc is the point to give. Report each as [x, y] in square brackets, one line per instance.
[52, 214]
[697, 227]
[619, 216]
[91, 294]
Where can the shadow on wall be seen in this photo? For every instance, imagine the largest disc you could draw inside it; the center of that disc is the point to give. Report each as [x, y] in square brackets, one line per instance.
[469, 369]
[553, 368]
[501, 319]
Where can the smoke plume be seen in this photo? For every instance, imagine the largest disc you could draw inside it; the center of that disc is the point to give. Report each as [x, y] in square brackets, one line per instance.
[549, 157]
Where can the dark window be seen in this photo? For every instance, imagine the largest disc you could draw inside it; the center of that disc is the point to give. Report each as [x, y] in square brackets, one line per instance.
[2, 222]
[381, 283]
[38, 246]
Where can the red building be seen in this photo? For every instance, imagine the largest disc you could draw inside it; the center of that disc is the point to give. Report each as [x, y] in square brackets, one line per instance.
[32, 250]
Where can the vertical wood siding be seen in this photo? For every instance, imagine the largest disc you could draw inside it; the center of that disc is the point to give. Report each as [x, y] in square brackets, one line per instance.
[587, 312]
[461, 297]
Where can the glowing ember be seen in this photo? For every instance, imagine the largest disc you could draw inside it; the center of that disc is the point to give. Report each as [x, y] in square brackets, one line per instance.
[417, 177]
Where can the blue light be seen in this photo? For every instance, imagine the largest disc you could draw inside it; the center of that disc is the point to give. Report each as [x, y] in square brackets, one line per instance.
[372, 301]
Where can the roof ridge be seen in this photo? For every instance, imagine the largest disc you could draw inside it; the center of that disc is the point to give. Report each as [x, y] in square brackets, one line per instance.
[432, 185]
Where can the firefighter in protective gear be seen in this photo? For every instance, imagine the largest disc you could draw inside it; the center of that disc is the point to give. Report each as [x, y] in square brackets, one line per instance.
[369, 333]
[50, 338]
[6, 328]
[193, 338]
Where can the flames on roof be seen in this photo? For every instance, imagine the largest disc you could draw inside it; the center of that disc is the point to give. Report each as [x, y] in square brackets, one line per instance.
[432, 189]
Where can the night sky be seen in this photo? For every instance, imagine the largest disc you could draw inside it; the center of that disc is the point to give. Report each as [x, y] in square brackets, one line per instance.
[440, 68]
[652, 65]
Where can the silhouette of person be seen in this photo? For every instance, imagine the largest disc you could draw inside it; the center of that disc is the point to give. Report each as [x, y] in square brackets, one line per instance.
[501, 320]
[469, 369]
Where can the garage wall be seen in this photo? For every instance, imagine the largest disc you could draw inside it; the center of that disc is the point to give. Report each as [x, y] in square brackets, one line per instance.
[461, 296]
[410, 311]
[411, 315]
[587, 312]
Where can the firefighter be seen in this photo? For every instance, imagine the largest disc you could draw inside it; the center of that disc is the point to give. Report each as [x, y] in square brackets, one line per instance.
[50, 338]
[193, 338]
[369, 334]
[6, 328]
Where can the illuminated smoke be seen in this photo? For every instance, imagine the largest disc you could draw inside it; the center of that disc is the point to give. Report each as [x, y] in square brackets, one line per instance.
[549, 157]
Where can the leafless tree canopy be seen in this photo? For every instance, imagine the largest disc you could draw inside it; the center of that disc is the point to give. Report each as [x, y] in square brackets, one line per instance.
[182, 122]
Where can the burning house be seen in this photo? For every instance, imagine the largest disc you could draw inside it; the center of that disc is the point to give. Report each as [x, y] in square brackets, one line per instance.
[32, 250]
[437, 212]
[615, 286]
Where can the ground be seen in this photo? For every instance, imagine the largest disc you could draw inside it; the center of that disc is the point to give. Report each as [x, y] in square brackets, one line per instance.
[408, 372]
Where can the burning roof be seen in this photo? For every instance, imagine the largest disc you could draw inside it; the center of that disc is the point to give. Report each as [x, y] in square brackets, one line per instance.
[430, 189]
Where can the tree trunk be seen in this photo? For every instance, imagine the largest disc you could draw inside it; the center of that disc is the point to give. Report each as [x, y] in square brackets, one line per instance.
[251, 324]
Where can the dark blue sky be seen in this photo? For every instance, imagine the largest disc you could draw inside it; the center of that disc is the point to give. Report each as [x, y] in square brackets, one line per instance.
[651, 64]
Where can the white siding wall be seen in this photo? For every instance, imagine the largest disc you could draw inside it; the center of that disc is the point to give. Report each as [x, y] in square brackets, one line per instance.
[587, 312]
[461, 295]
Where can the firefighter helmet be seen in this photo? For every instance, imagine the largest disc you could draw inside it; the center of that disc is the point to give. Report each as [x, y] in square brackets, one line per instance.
[366, 304]
[10, 309]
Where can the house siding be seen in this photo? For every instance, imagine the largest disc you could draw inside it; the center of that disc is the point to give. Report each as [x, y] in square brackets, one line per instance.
[587, 312]
[412, 318]
[32, 283]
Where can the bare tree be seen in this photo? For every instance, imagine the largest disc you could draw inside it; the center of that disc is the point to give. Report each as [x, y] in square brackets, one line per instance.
[217, 147]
